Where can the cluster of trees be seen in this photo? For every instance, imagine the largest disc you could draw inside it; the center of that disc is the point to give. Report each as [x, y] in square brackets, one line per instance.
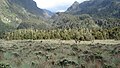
[64, 34]
[108, 22]
[66, 21]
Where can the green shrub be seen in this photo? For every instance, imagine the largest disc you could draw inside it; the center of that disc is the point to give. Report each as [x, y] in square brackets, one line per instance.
[2, 65]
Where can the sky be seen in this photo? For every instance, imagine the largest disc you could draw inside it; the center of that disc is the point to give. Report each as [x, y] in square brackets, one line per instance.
[56, 5]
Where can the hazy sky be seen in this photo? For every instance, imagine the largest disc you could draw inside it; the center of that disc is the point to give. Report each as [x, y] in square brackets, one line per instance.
[55, 5]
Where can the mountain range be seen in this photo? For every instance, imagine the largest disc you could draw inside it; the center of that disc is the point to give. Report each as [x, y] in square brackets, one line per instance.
[24, 14]
[99, 8]
[103, 13]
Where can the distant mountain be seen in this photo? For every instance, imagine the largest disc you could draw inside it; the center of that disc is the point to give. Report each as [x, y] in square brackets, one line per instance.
[97, 8]
[48, 13]
[22, 14]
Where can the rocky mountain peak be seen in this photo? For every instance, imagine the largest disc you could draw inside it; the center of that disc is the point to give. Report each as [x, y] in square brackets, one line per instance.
[76, 3]
[74, 6]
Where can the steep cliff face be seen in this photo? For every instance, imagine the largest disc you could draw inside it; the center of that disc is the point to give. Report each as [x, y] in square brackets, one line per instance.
[13, 13]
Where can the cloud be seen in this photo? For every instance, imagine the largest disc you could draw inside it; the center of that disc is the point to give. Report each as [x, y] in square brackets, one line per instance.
[55, 5]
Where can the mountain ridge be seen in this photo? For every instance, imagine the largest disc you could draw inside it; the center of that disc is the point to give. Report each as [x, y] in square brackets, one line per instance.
[31, 6]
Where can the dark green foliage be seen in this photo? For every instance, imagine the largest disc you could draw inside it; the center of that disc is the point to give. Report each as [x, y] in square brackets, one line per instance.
[108, 22]
[4, 65]
[66, 21]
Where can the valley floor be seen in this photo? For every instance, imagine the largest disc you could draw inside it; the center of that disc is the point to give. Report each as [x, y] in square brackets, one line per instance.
[60, 54]
[57, 41]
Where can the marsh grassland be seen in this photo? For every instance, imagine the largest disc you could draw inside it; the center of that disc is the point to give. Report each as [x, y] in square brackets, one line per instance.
[59, 54]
